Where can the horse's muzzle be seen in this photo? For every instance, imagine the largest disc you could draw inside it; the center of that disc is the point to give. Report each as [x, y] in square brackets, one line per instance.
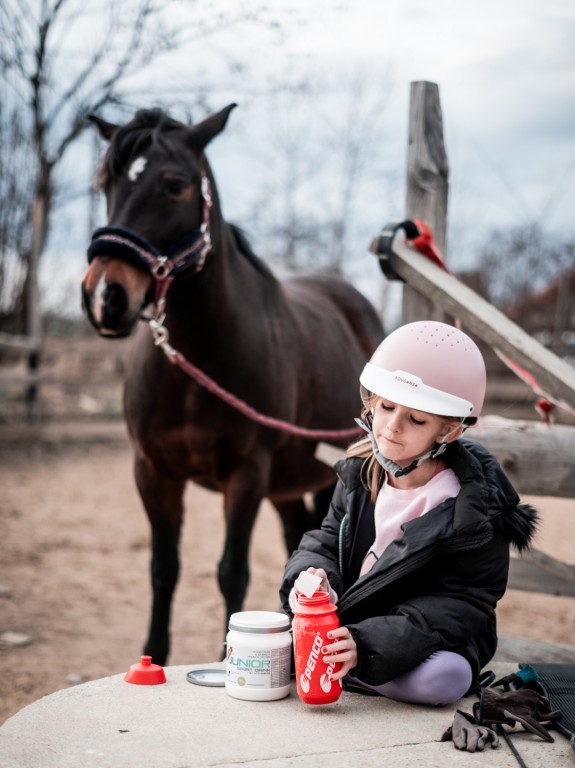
[113, 296]
[109, 312]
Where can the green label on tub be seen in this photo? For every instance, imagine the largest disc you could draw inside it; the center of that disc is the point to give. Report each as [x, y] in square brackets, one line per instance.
[251, 668]
[252, 664]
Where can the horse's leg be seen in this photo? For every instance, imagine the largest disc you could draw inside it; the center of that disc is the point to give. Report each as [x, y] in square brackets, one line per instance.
[243, 494]
[321, 501]
[163, 500]
[296, 520]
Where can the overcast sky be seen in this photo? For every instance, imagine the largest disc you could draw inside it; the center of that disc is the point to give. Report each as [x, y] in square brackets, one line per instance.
[506, 76]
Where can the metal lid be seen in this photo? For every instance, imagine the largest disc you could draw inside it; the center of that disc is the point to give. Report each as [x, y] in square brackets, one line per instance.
[259, 621]
[213, 678]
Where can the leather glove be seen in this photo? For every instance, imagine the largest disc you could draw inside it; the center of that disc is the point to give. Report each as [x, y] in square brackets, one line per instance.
[468, 735]
[525, 706]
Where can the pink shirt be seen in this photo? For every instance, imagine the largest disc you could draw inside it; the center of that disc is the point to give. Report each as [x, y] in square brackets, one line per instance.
[396, 506]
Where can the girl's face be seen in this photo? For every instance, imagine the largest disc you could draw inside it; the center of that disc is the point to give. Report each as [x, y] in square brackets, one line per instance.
[403, 434]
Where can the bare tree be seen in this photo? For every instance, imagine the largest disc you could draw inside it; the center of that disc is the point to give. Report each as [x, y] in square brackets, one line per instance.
[325, 143]
[60, 60]
[517, 261]
[16, 194]
[52, 95]
[529, 274]
[355, 146]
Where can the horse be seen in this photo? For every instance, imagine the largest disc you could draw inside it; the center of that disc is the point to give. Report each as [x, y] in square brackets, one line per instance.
[233, 375]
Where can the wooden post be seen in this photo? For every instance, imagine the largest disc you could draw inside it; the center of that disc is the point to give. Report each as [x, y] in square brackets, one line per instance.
[34, 317]
[427, 185]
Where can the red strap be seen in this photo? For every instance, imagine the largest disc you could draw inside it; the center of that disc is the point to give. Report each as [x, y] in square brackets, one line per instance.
[545, 409]
[425, 245]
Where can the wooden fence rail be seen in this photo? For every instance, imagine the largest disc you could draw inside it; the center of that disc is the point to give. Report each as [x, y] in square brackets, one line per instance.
[556, 377]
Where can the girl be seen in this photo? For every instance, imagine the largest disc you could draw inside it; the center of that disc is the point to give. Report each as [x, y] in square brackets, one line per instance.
[415, 547]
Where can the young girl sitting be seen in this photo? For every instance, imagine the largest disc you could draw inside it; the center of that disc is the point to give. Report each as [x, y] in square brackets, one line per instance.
[415, 547]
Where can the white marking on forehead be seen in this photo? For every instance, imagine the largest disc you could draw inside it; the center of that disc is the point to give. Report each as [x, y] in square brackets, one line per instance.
[136, 168]
[98, 299]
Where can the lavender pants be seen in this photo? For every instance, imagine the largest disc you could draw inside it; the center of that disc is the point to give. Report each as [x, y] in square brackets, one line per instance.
[443, 678]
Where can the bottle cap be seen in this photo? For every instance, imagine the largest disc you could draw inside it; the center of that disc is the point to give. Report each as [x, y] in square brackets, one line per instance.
[145, 673]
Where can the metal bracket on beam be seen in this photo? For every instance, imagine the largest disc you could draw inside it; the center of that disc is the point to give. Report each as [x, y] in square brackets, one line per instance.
[382, 246]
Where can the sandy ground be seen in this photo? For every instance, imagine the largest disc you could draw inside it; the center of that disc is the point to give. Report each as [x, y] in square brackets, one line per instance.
[74, 563]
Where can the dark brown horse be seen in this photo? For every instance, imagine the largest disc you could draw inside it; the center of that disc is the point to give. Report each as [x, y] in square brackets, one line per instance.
[217, 319]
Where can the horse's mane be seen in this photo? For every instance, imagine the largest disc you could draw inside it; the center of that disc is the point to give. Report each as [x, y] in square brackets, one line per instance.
[244, 246]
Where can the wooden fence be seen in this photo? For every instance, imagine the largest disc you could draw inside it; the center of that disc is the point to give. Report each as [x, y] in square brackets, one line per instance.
[531, 453]
[79, 377]
[539, 460]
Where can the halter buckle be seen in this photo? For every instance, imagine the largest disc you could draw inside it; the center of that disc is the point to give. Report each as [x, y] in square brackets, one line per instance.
[159, 332]
[161, 268]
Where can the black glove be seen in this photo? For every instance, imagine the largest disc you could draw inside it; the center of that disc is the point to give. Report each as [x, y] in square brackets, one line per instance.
[525, 706]
[467, 734]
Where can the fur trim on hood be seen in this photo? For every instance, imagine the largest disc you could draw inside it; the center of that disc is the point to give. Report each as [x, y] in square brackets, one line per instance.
[520, 527]
[518, 522]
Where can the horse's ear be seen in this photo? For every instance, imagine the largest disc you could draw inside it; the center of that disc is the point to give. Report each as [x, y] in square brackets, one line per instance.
[105, 129]
[200, 135]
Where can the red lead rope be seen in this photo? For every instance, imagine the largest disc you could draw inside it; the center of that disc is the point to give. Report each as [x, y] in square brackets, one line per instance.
[160, 334]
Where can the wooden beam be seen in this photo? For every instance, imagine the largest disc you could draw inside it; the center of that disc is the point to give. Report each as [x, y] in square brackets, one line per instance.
[553, 567]
[537, 459]
[555, 376]
[516, 649]
[536, 571]
[18, 342]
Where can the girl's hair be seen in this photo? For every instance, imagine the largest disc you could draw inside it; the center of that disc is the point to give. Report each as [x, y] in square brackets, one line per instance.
[372, 473]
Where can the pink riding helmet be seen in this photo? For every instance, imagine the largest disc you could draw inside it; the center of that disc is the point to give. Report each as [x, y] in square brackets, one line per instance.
[431, 367]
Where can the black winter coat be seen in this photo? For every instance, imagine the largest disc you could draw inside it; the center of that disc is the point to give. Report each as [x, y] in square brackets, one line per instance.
[434, 589]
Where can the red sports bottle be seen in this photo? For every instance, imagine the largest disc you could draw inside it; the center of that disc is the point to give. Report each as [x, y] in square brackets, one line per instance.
[314, 617]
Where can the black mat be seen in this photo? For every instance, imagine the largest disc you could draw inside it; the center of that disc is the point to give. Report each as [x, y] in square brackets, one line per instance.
[558, 683]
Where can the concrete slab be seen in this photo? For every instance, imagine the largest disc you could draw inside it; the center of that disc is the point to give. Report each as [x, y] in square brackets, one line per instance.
[109, 723]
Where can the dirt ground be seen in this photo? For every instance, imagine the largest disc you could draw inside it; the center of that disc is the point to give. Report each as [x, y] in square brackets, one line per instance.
[74, 565]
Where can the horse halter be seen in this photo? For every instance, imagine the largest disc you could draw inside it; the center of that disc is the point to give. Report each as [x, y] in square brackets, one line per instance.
[189, 253]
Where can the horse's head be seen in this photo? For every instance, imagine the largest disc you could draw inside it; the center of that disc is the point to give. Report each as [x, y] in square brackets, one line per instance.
[157, 186]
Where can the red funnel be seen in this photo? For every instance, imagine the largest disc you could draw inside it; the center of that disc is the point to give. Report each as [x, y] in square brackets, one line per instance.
[145, 673]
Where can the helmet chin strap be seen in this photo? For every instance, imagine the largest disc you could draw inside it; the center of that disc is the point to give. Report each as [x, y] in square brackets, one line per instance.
[393, 468]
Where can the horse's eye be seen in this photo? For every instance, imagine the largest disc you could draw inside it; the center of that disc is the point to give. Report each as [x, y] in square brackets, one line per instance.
[175, 187]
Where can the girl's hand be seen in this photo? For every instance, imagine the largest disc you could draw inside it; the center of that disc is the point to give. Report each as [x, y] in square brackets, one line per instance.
[323, 587]
[342, 651]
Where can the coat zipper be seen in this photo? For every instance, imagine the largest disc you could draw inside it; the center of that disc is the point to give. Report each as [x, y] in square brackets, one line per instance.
[341, 535]
[396, 571]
